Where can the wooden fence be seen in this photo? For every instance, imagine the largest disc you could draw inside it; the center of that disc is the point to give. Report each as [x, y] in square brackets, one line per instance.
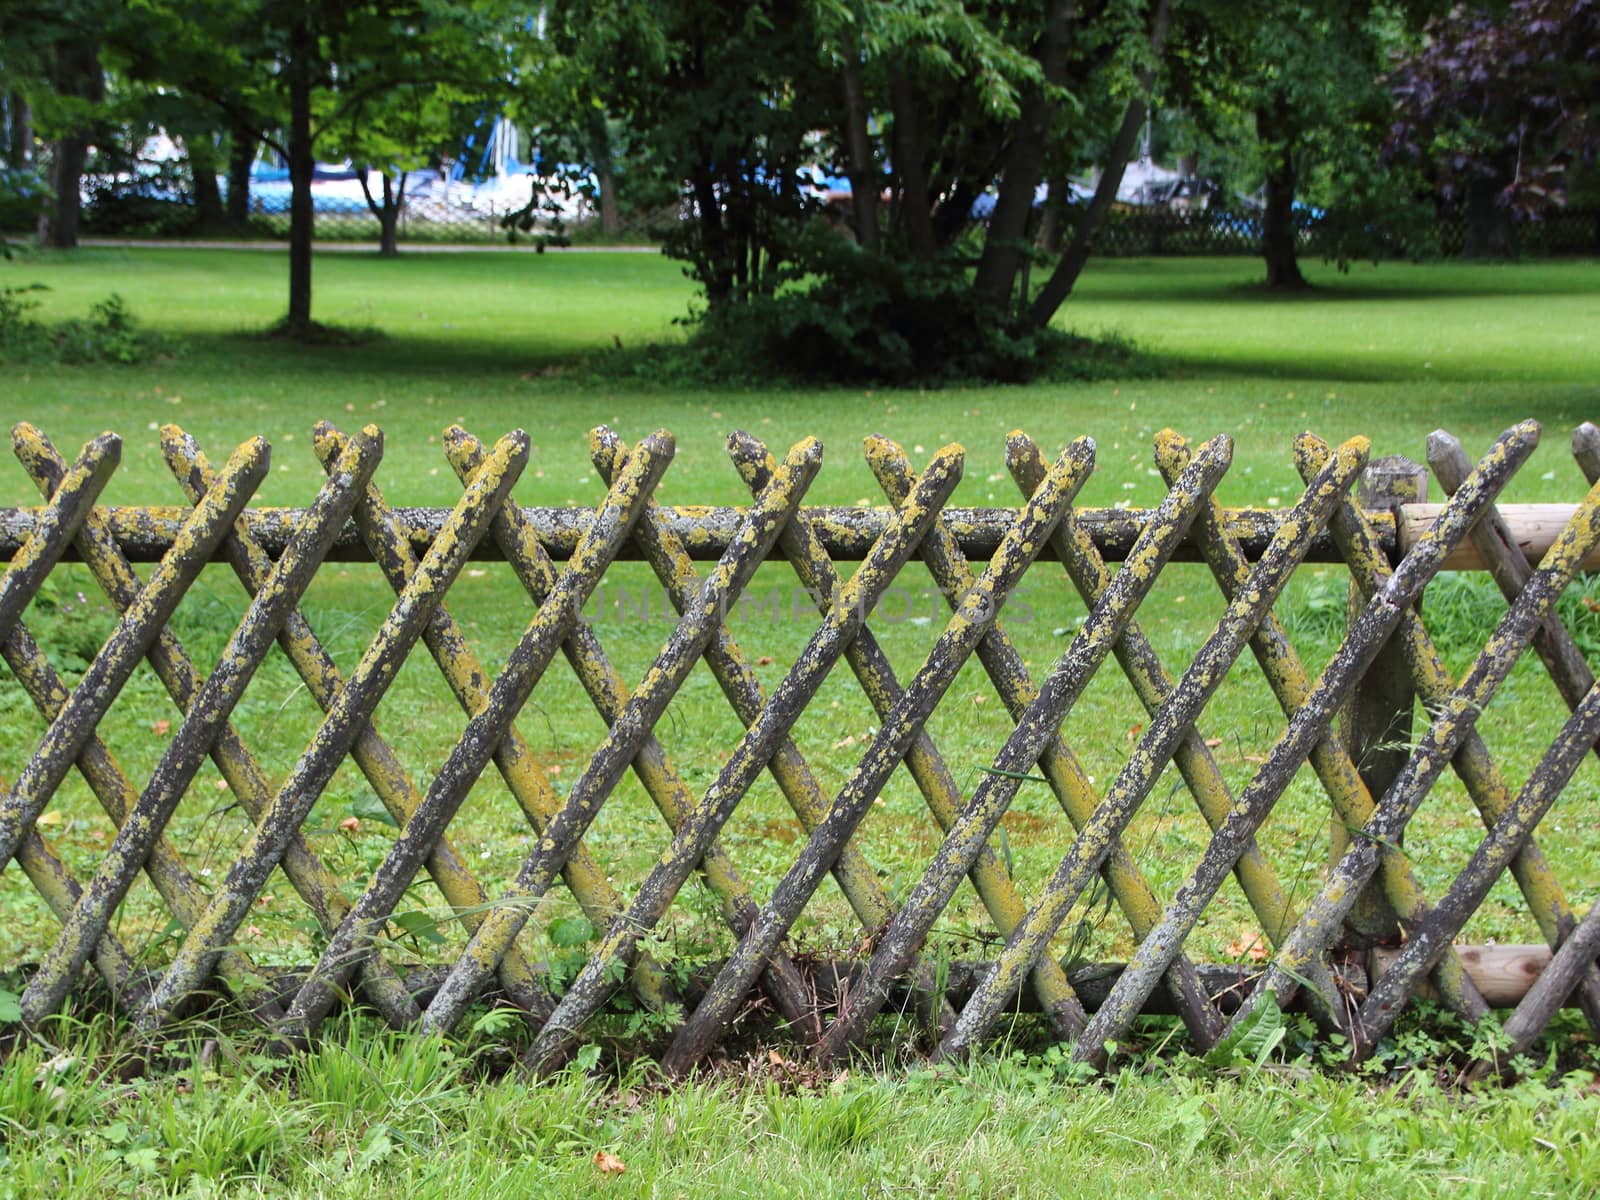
[1353, 955]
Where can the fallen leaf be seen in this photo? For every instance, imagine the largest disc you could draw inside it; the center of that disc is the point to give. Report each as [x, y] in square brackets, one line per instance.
[160, 728]
[845, 742]
[351, 825]
[1135, 730]
[980, 701]
[1213, 743]
[609, 1163]
[50, 818]
[1253, 949]
[253, 930]
[764, 661]
[553, 769]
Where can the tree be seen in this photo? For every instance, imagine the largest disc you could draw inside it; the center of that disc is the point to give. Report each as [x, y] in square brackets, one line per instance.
[1498, 105]
[924, 107]
[295, 73]
[50, 54]
[1302, 81]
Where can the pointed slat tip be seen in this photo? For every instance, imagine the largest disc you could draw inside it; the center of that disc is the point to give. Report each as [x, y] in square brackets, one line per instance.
[173, 434]
[604, 440]
[327, 439]
[877, 443]
[518, 442]
[659, 441]
[1359, 446]
[807, 450]
[1445, 452]
[1309, 449]
[886, 458]
[741, 443]
[1022, 450]
[107, 443]
[948, 460]
[367, 443]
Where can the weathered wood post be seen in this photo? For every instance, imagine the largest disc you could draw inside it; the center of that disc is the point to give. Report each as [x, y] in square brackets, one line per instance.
[1377, 722]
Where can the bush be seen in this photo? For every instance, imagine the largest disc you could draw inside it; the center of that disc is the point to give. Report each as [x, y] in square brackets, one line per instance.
[837, 314]
[23, 196]
[110, 333]
[148, 205]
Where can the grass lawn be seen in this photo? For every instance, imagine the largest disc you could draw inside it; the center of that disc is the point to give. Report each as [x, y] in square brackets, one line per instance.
[493, 341]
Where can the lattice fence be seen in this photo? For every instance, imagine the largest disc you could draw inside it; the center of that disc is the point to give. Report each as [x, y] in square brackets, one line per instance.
[1319, 950]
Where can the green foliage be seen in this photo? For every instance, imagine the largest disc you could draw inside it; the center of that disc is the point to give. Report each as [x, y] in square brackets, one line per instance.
[368, 1111]
[24, 195]
[110, 333]
[1253, 1040]
[924, 108]
[840, 315]
[1299, 90]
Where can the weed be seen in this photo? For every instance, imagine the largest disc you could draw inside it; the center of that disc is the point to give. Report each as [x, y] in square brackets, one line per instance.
[110, 334]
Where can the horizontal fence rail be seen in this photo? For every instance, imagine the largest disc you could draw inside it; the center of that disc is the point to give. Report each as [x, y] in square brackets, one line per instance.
[681, 877]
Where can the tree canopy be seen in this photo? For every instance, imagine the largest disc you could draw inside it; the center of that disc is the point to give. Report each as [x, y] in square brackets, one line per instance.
[891, 188]
[1497, 105]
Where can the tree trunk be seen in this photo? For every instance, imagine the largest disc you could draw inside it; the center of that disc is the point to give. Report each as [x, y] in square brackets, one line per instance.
[715, 271]
[1062, 280]
[1279, 237]
[388, 212]
[302, 164]
[210, 216]
[1491, 230]
[20, 135]
[77, 74]
[389, 229]
[864, 180]
[1005, 248]
[241, 153]
[1053, 224]
[610, 215]
[604, 174]
[910, 163]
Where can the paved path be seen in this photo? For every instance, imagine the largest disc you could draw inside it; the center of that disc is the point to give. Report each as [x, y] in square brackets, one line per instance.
[364, 247]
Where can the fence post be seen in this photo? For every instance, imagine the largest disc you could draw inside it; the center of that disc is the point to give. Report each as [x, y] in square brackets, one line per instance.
[1377, 721]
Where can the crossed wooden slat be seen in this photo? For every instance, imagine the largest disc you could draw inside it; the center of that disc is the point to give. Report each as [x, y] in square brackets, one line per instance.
[918, 528]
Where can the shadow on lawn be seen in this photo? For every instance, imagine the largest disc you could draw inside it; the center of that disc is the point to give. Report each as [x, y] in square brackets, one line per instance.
[1344, 365]
[1143, 282]
[377, 352]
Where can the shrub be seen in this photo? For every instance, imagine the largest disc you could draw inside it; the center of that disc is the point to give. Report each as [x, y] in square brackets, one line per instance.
[833, 313]
[23, 196]
[110, 333]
